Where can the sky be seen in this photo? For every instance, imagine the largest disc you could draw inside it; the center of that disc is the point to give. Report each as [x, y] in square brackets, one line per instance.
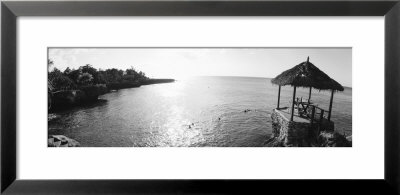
[177, 63]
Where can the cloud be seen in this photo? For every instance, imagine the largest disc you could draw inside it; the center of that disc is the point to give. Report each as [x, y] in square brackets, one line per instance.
[65, 57]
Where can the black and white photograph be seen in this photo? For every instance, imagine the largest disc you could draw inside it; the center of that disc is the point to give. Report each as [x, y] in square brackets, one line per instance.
[199, 97]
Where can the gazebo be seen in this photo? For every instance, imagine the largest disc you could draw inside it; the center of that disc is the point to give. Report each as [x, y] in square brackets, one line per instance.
[306, 75]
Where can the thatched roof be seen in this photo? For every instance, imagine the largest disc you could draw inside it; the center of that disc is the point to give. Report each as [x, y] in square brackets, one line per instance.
[307, 74]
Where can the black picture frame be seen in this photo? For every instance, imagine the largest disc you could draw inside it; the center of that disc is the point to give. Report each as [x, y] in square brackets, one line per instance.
[11, 10]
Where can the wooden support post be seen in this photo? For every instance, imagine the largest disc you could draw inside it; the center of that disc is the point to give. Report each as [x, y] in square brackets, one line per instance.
[311, 132]
[321, 116]
[279, 97]
[330, 106]
[309, 95]
[294, 99]
[312, 115]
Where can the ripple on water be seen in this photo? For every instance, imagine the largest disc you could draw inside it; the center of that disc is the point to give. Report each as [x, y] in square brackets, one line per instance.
[206, 111]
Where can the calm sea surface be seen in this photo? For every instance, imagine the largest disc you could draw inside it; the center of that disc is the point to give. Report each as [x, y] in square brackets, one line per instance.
[200, 111]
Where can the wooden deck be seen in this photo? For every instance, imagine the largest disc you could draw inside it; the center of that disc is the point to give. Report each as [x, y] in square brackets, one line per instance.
[286, 113]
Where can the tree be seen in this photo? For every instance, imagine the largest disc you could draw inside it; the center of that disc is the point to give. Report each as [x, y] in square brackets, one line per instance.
[134, 75]
[129, 78]
[74, 74]
[85, 79]
[87, 75]
[101, 77]
[67, 71]
[49, 64]
[88, 69]
[131, 71]
[114, 75]
[59, 81]
[54, 74]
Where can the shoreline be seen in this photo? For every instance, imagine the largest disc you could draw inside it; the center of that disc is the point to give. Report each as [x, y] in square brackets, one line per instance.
[65, 99]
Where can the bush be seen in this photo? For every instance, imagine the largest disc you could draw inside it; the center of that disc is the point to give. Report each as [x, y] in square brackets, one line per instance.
[61, 82]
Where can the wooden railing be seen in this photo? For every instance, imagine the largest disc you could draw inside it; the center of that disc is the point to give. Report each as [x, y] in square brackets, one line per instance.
[310, 111]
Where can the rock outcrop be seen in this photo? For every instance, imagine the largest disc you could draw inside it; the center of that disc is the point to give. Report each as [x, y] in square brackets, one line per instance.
[68, 98]
[61, 141]
[333, 139]
[92, 92]
[288, 133]
[325, 139]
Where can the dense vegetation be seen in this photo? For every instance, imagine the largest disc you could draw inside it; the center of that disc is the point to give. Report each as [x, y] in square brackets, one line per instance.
[87, 75]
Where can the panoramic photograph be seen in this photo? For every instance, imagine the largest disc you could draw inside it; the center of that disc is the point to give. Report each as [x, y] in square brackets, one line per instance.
[199, 97]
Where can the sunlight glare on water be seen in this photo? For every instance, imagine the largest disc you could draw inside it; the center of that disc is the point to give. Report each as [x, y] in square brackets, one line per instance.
[198, 111]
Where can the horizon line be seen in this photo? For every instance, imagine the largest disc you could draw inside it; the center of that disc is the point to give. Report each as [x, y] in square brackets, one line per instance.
[259, 77]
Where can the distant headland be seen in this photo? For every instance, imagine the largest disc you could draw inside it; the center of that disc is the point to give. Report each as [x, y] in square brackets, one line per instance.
[73, 87]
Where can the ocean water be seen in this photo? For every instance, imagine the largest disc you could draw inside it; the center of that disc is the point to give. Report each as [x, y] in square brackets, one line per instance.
[199, 111]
